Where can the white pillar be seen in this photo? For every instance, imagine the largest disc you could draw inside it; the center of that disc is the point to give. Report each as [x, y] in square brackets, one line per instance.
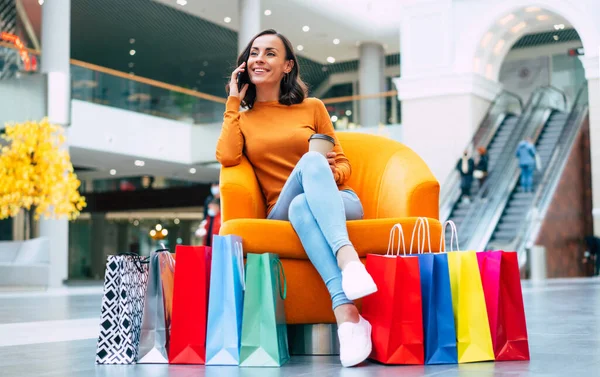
[56, 52]
[249, 22]
[592, 73]
[371, 81]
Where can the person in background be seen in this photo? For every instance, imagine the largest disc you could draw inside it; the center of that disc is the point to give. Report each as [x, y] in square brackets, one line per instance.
[481, 170]
[214, 194]
[213, 221]
[526, 155]
[466, 167]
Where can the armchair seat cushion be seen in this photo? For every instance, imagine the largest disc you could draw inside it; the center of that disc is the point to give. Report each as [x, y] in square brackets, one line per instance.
[367, 236]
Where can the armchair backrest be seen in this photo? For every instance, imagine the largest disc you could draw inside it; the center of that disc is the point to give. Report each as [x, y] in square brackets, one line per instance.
[390, 179]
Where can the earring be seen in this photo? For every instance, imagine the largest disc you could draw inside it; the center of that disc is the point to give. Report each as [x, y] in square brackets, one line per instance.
[286, 78]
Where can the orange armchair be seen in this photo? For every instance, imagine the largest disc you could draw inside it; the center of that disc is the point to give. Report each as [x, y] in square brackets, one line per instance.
[394, 185]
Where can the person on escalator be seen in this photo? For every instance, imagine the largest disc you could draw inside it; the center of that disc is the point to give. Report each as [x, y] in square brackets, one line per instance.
[466, 167]
[526, 154]
[481, 170]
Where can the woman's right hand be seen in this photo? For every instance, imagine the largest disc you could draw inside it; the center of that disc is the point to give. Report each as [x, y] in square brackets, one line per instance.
[233, 83]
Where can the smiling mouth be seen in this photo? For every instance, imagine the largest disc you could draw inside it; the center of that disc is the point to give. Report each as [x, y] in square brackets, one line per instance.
[260, 70]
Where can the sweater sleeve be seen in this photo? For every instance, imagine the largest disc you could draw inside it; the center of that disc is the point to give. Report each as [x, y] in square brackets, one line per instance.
[324, 126]
[230, 145]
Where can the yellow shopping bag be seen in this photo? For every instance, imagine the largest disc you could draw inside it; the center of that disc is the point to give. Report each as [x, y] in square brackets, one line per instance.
[473, 337]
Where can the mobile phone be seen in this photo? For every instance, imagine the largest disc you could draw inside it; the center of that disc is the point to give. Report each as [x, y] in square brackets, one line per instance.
[242, 78]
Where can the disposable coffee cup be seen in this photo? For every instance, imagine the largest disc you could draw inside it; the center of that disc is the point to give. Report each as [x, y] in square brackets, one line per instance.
[321, 143]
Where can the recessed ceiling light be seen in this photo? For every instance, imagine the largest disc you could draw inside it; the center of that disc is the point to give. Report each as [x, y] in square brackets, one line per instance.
[336, 41]
[136, 222]
[131, 40]
[300, 48]
[506, 19]
[518, 27]
[192, 170]
[131, 52]
[324, 69]
[348, 112]
[542, 17]
[182, 2]
[498, 47]
[176, 221]
[334, 118]
[113, 172]
[559, 26]
[267, 12]
[139, 163]
[202, 73]
[532, 9]
[305, 28]
[331, 59]
[227, 19]
[131, 64]
[41, 2]
[556, 37]
[205, 63]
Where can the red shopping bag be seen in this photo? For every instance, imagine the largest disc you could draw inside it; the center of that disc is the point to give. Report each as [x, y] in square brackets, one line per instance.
[504, 301]
[190, 305]
[394, 311]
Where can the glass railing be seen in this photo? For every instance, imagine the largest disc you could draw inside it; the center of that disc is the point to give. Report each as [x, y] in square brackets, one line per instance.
[345, 111]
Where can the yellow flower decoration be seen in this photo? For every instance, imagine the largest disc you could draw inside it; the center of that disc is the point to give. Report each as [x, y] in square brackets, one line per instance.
[36, 172]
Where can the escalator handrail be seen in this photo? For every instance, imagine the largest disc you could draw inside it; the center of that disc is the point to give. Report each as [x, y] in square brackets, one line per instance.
[449, 196]
[499, 184]
[528, 234]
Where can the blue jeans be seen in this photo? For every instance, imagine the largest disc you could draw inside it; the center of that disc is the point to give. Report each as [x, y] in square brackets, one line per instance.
[527, 177]
[312, 202]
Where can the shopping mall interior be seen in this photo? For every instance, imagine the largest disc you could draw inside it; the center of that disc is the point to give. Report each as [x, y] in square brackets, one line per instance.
[139, 89]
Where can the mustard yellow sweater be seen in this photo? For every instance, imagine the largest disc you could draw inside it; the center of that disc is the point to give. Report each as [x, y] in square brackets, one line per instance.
[274, 137]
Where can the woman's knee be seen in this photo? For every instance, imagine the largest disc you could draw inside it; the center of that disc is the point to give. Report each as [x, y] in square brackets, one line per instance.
[298, 209]
[314, 162]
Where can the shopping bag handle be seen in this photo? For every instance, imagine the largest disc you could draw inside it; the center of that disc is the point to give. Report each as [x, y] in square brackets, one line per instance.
[392, 239]
[239, 253]
[453, 236]
[281, 273]
[138, 259]
[423, 224]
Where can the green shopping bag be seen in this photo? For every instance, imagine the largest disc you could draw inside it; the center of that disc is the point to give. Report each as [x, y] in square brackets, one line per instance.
[264, 332]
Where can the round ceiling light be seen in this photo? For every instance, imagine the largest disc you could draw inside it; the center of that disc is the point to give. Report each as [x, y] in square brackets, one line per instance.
[131, 52]
[336, 41]
[331, 59]
[305, 28]
[300, 48]
[227, 20]
[267, 12]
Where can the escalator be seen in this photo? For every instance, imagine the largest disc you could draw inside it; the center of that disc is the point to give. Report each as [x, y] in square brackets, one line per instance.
[519, 202]
[492, 134]
[506, 128]
[542, 119]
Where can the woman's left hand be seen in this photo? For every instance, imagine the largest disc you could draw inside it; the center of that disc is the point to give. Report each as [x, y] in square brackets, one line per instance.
[331, 161]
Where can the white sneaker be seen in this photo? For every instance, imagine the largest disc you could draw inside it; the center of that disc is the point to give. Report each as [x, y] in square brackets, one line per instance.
[355, 342]
[356, 281]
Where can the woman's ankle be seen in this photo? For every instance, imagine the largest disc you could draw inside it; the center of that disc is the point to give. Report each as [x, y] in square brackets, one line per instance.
[345, 255]
[346, 313]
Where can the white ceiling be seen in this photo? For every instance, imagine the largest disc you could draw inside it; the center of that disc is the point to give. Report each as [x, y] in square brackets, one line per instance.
[350, 21]
[103, 162]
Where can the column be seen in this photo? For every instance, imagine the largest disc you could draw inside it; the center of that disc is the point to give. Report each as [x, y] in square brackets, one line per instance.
[371, 80]
[56, 51]
[250, 13]
[442, 102]
[592, 74]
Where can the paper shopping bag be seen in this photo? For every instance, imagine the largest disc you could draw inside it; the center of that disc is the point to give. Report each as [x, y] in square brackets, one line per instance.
[226, 303]
[122, 308]
[190, 304]
[153, 345]
[504, 301]
[264, 330]
[438, 317]
[394, 311]
[474, 341]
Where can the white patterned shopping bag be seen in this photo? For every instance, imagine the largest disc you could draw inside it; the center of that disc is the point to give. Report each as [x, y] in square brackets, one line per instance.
[122, 308]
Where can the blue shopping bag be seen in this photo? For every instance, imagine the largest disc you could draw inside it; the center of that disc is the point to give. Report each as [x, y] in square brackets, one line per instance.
[438, 317]
[226, 302]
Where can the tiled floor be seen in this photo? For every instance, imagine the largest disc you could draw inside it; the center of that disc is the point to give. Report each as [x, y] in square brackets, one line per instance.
[53, 334]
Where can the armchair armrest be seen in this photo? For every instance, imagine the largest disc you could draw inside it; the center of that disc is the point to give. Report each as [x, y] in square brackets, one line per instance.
[408, 188]
[241, 196]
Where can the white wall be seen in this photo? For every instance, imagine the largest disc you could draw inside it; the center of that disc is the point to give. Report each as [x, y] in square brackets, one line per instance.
[109, 129]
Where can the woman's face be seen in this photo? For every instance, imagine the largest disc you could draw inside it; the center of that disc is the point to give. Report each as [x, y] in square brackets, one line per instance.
[267, 63]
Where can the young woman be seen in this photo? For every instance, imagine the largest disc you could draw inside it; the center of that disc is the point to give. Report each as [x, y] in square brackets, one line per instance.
[302, 187]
